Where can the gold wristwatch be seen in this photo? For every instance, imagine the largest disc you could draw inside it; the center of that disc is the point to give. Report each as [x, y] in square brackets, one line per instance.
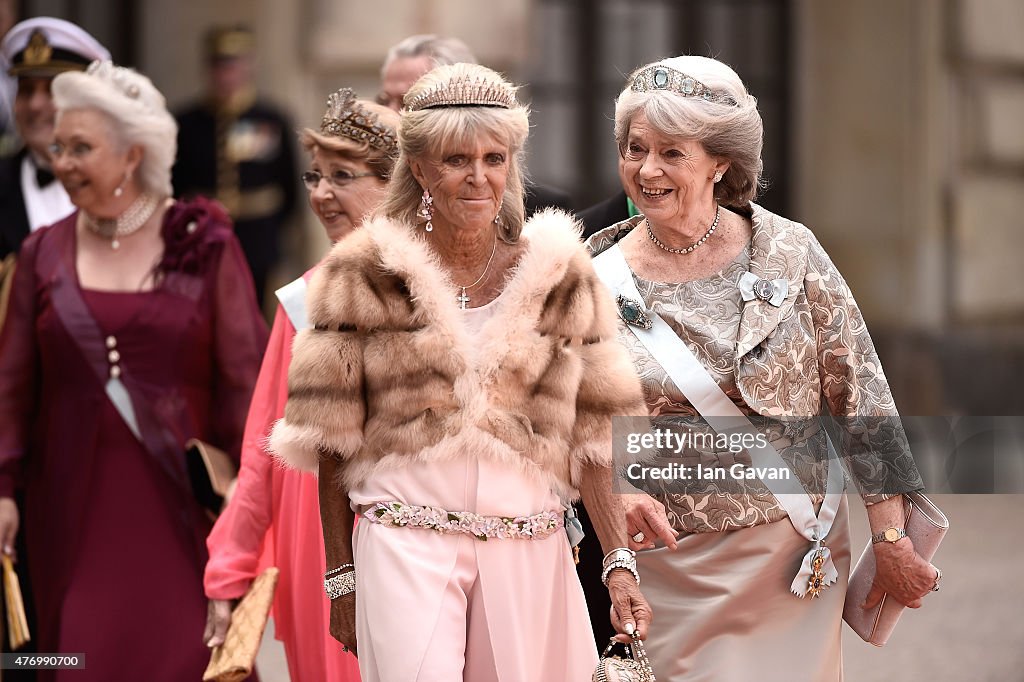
[892, 534]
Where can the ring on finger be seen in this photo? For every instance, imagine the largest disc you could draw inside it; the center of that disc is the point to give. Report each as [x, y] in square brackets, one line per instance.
[938, 577]
[639, 536]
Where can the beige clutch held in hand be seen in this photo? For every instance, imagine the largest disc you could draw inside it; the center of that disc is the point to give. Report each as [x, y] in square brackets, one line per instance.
[926, 525]
[17, 623]
[234, 660]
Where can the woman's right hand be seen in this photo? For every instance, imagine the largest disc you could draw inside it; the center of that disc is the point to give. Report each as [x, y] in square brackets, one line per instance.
[9, 520]
[646, 515]
[343, 621]
[218, 618]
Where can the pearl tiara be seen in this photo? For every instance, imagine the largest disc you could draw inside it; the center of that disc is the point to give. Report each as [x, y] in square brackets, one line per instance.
[660, 77]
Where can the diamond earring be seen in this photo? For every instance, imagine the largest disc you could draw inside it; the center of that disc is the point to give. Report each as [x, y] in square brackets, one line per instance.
[718, 176]
[426, 211]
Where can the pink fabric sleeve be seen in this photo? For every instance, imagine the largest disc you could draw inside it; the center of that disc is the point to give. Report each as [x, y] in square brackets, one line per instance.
[237, 537]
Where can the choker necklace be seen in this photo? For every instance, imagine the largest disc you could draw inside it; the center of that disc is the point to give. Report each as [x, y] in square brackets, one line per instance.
[129, 222]
[463, 298]
[691, 247]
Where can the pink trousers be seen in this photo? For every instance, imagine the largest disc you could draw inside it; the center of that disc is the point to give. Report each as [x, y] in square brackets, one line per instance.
[448, 608]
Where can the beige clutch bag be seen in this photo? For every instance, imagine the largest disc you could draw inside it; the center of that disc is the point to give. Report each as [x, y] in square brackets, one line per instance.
[212, 473]
[926, 525]
[234, 660]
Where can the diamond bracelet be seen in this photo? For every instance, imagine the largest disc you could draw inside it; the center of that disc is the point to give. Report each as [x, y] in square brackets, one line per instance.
[619, 563]
[340, 585]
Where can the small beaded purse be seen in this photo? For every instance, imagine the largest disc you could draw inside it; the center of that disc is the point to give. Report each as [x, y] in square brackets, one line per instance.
[635, 667]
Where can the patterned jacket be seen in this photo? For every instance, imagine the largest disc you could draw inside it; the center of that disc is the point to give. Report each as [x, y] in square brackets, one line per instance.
[809, 356]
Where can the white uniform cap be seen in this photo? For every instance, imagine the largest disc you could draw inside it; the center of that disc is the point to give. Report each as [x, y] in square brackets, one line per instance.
[46, 46]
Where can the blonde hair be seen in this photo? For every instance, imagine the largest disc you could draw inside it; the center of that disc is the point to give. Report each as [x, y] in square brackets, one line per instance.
[731, 130]
[433, 131]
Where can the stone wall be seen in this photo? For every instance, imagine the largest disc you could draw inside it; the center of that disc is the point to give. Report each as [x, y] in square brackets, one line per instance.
[910, 140]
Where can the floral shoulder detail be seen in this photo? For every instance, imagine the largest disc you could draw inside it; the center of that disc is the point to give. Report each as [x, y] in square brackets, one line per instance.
[193, 231]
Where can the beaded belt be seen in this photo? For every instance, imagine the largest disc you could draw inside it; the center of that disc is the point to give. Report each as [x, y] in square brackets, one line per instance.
[535, 527]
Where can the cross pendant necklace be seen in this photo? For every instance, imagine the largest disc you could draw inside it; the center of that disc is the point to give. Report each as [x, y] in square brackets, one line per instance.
[463, 297]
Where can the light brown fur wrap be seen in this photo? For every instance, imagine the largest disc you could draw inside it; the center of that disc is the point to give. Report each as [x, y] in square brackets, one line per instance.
[387, 376]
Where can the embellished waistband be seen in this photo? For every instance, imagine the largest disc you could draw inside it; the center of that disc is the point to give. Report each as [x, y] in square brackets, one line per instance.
[398, 514]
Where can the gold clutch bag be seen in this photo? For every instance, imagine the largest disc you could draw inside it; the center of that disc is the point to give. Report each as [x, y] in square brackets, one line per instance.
[234, 660]
[17, 623]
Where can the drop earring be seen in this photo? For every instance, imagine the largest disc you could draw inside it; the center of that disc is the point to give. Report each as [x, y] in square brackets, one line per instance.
[426, 211]
[119, 190]
[497, 218]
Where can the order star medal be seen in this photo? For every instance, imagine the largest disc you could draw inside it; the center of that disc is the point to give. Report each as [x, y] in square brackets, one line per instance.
[816, 583]
[632, 312]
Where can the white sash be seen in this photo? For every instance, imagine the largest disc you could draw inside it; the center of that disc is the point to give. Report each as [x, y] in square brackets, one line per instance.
[723, 416]
[293, 299]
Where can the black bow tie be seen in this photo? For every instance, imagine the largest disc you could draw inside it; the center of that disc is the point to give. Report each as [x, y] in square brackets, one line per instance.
[44, 176]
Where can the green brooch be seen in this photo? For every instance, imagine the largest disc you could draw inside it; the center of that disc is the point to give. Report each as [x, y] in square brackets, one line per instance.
[632, 313]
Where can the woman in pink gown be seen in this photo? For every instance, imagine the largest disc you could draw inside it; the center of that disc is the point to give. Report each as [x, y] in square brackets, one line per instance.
[455, 390]
[132, 327]
[278, 509]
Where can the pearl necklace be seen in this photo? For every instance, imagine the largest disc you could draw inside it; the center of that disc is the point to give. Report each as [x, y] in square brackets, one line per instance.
[463, 298]
[691, 247]
[128, 223]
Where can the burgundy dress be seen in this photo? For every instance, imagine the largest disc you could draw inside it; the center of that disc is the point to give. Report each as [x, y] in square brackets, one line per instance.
[115, 539]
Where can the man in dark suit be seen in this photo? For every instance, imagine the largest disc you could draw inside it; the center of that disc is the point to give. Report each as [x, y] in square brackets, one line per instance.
[240, 150]
[608, 212]
[35, 51]
[409, 59]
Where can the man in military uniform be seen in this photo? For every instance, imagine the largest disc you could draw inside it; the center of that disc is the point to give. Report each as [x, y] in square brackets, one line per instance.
[35, 51]
[239, 150]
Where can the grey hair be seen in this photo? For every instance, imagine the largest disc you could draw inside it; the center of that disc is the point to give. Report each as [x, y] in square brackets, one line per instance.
[137, 111]
[440, 50]
[733, 132]
[433, 132]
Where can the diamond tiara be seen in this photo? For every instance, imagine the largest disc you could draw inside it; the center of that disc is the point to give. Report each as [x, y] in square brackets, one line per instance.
[345, 117]
[659, 77]
[464, 91]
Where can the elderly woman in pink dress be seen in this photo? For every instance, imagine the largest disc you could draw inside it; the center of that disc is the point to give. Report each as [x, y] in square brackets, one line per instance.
[351, 160]
[456, 391]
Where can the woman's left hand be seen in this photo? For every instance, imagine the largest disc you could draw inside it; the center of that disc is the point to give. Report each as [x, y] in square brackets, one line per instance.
[901, 573]
[630, 611]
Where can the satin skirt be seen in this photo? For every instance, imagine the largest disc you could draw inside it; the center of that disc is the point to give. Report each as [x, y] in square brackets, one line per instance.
[723, 611]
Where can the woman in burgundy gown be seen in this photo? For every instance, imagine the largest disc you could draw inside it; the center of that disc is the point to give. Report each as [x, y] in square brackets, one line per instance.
[132, 327]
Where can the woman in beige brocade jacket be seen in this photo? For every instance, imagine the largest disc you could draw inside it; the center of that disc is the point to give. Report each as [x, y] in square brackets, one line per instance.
[759, 303]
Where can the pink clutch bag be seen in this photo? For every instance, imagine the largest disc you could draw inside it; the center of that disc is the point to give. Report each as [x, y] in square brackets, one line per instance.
[926, 526]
